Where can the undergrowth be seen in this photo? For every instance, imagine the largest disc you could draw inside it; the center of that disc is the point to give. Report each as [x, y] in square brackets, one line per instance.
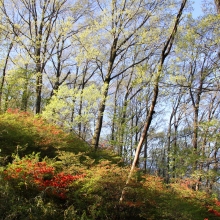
[48, 173]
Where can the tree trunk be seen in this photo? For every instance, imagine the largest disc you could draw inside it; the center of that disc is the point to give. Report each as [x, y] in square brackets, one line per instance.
[217, 3]
[98, 127]
[38, 93]
[4, 74]
[97, 132]
[169, 148]
[24, 99]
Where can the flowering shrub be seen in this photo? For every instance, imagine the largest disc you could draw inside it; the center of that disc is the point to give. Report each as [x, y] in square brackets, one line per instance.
[31, 173]
[213, 210]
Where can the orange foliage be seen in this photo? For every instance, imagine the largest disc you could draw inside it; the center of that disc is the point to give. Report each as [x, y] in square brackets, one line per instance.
[134, 204]
[153, 183]
[48, 133]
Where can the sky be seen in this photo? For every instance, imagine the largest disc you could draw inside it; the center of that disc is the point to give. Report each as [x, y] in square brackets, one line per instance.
[197, 8]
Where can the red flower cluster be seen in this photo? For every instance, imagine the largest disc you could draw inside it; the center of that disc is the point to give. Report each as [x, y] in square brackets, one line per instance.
[215, 212]
[41, 176]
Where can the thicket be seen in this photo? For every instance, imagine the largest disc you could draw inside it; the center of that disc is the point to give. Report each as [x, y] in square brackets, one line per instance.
[51, 173]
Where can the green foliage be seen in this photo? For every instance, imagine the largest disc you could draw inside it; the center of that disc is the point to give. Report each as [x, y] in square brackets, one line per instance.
[14, 205]
[19, 89]
[147, 197]
[60, 108]
[97, 196]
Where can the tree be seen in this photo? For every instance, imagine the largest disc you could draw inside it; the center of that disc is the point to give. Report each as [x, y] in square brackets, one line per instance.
[116, 35]
[199, 63]
[165, 52]
[59, 110]
[34, 25]
[173, 121]
[18, 89]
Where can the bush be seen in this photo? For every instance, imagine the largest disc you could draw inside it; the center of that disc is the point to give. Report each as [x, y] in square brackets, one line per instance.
[30, 176]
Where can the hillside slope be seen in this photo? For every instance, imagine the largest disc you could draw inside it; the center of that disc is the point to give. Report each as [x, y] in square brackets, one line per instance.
[56, 175]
